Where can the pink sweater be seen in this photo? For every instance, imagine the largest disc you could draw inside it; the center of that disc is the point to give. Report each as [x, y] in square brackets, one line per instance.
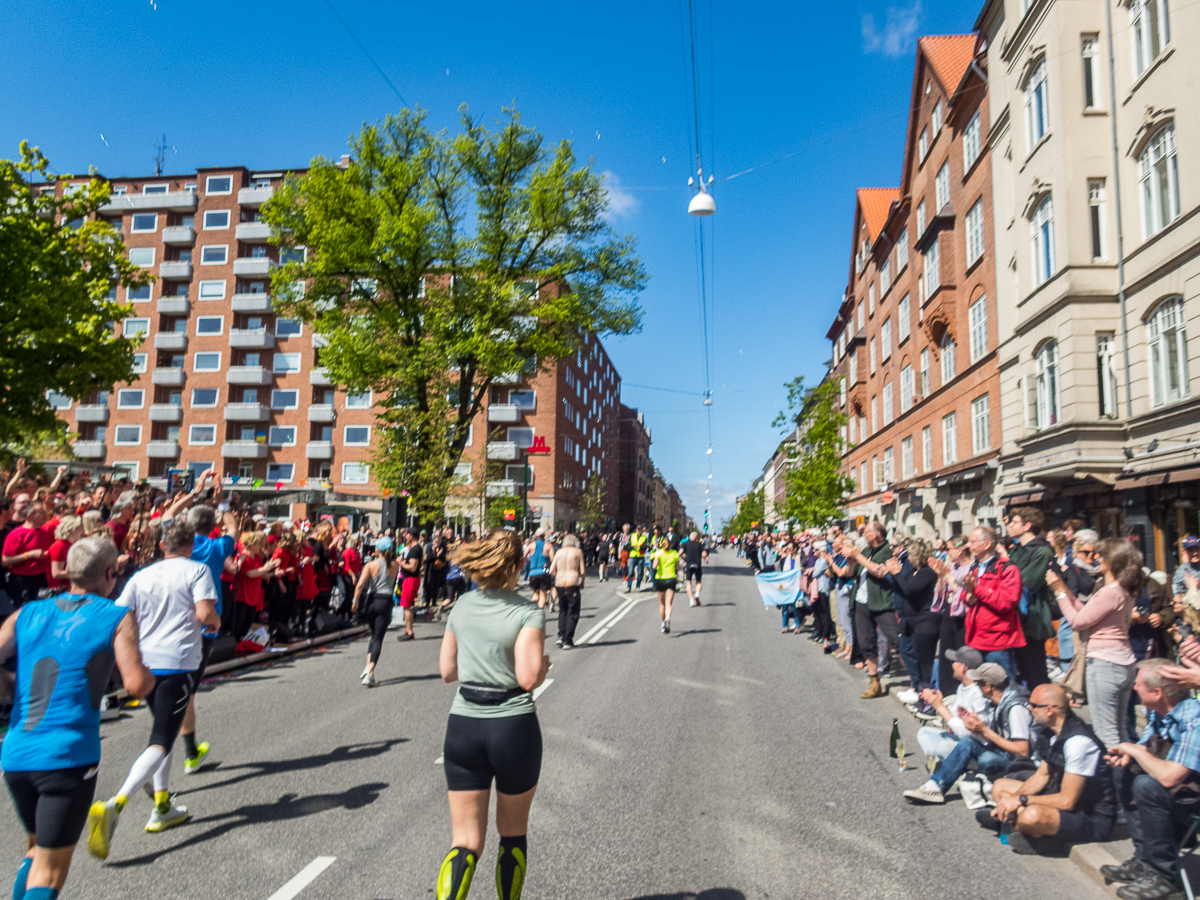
[1105, 619]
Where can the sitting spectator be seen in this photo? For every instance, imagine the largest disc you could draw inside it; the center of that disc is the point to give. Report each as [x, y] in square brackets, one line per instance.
[1070, 797]
[1160, 770]
[938, 742]
[993, 743]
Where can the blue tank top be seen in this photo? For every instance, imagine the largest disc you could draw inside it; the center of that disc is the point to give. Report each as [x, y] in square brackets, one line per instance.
[537, 562]
[64, 658]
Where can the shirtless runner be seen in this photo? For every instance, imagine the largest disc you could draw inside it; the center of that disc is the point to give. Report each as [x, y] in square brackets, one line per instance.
[568, 572]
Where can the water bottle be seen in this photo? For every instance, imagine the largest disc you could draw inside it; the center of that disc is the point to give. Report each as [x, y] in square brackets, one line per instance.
[895, 744]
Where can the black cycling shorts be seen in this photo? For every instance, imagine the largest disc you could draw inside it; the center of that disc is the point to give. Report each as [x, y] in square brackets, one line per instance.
[168, 704]
[664, 584]
[206, 649]
[508, 749]
[53, 804]
[692, 574]
[541, 582]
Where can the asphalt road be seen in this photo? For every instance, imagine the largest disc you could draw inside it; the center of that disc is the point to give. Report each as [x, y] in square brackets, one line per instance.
[722, 762]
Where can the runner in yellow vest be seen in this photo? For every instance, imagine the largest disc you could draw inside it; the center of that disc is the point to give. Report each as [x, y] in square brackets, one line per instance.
[666, 563]
[637, 558]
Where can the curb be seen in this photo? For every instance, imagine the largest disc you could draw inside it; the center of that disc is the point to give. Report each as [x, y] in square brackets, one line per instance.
[1089, 858]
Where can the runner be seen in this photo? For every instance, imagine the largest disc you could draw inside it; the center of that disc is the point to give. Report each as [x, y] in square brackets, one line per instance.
[409, 581]
[603, 551]
[493, 645]
[568, 572]
[541, 555]
[623, 548]
[666, 561]
[378, 583]
[695, 555]
[51, 752]
[172, 600]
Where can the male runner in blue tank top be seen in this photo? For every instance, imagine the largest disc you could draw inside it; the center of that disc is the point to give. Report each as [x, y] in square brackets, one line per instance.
[65, 647]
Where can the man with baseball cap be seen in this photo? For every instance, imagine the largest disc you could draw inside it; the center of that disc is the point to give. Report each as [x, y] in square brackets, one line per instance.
[997, 738]
[940, 742]
[1189, 567]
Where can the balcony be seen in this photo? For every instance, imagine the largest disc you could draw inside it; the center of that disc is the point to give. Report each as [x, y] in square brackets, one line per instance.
[166, 412]
[170, 340]
[248, 266]
[321, 412]
[506, 450]
[259, 303]
[175, 271]
[319, 341]
[167, 376]
[319, 450]
[89, 449]
[319, 377]
[91, 412]
[496, 488]
[180, 235]
[162, 449]
[173, 306]
[243, 450]
[246, 412]
[510, 378]
[252, 338]
[181, 201]
[254, 196]
[247, 375]
[253, 232]
[504, 412]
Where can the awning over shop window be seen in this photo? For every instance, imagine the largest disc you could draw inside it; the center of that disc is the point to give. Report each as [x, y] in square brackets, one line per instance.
[960, 477]
[1022, 499]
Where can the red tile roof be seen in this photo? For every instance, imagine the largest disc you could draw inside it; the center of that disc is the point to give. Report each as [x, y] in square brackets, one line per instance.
[876, 203]
[949, 55]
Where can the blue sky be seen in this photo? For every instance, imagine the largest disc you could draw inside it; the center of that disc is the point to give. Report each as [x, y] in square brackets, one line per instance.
[812, 97]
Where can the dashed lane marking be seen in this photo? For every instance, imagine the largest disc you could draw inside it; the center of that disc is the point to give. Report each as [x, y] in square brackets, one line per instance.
[303, 878]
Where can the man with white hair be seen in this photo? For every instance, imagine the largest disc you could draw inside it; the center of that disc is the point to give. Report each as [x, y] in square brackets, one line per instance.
[567, 570]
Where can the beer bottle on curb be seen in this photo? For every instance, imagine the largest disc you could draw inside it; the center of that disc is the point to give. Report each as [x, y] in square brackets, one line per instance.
[895, 745]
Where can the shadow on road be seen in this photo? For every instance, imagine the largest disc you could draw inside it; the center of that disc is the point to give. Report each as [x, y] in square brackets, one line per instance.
[716, 604]
[680, 634]
[288, 806]
[347, 753]
[712, 894]
[609, 643]
[401, 679]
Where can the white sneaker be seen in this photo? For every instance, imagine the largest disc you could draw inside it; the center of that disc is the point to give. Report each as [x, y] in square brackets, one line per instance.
[908, 698]
[929, 792]
[161, 821]
[368, 680]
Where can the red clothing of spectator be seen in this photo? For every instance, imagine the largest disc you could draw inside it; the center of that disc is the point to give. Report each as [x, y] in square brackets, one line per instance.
[22, 540]
[51, 526]
[308, 577]
[249, 589]
[119, 532]
[353, 562]
[287, 560]
[994, 622]
[57, 553]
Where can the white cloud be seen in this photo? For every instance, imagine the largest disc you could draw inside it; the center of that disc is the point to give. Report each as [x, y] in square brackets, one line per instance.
[896, 36]
[621, 203]
[723, 501]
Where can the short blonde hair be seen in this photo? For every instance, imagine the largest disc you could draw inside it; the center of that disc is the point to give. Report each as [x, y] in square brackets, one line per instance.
[66, 526]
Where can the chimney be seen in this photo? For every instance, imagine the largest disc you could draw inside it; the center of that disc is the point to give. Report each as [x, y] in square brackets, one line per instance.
[345, 163]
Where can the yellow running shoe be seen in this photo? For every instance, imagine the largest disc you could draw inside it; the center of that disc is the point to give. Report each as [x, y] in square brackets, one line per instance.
[101, 823]
[191, 765]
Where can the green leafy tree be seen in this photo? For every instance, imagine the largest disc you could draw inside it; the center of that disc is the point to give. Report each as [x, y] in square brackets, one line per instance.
[495, 511]
[591, 504]
[817, 487]
[58, 271]
[752, 509]
[436, 264]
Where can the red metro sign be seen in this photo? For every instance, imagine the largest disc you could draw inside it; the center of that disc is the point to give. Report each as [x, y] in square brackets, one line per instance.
[538, 446]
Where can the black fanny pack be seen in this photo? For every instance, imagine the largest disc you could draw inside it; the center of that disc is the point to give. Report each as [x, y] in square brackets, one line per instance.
[488, 694]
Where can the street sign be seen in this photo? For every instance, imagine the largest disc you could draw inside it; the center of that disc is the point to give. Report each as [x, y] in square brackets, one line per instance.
[510, 515]
[754, 524]
[538, 445]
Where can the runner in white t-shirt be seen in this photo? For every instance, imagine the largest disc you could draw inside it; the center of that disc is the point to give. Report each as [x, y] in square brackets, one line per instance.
[172, 600]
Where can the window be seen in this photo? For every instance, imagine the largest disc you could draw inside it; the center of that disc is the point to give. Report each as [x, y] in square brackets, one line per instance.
[128, 435]
[1168, 353]
[285, 399]
[1037, 106]
[206, 362]
[462, 473]
[902, 251]
[1096, 206]
[140, 363]
[204, 397]
[280, 471]
[1047, 385]
[154, 188]
[871, 298]
[287, 362]
[841, 392]
[135, 328]
[975, 232]
[981, 428]
[216, 219]
[977, 320]
[949, 439]
[885, 337]
[219, 184]
[359, 401]
[128, 398]
[904, 317]
[947, 358]
[1151, 31]
[1043, 242]
[1091, 71]
[202, 435]
[143, 223]
[906, 458]
[516, 474]
[296, 255]
[874, 414]
[925, 372]
[214, 255]
[212, 290]
[887, 404]
[889, 465]
[872, 353]
[923, 144]
[522, 437]
[1106, 370]
[863, 481]
[523, 399]
[853, 430]
[209, 324]
[926, 449]
[933, 268]
[281, 436]
[860, 315]
[941, 187]
[1158, 171]
[936, 118]
[288, 328]
[885, 276]
[356, 435]
[133, 295]
[906, 389]
[972, 142]
[920, 219]
[142, 256]
[119, 190]
[355, 473]
[854, 367]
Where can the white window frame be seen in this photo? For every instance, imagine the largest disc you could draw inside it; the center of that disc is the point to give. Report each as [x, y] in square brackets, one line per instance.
[861, 316]
[194, 441]
[947, 358]
[906, 458]
[130, 329]
[871, 299]
[357, 405]
[289, 335]
[922, 221]
[972, 142]
[155, 188]
[950, 438]
[978, 328]
[941, 188]
[141, 363]
[224, 248]
[125, 398]
[117, 442]
[885, 277]
[365, 468]
[1158, 174]
[295, 398]
[208, 286]
[1089, 49]
[906, 389]
[1106, 369]
[286, 358]
[974, 228]
[923, 144]
[133, 229]
[1098, 217]
[132, 298]
[1166, 348]
[274, 430]
[933, 267]
[889, 465]
[277, 477]
[874, 414]
[936, 118]
[208, 189]
[1042, 240]
[220, 326]
[927, 449]
[211, 212]
[520, 428]
[346, 442]
[888, 408]
[463, 474]
[854, 367]
[904, 317]
[1049, 387]
[902, 252]
[216, 399]
[147, 253]
[196, 360]
[885, 339]
[924, 389]
[872, 352]
[1149, 38]
[1037, 106]
[981, 425]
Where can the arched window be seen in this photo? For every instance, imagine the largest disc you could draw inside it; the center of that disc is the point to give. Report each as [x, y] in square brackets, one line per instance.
[1167, 342]
[1158, 171]
[1150, 27]
[947, 358]
[1047, 385]
[1042, 232]
[1037, 105]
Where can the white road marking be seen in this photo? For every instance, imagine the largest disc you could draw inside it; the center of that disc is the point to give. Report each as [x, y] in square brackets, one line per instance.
[303, 878]
[542, 688]
[603, 623]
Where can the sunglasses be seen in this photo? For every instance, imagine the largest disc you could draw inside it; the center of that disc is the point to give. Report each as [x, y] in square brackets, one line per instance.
[1086, 552]
[1044, 706]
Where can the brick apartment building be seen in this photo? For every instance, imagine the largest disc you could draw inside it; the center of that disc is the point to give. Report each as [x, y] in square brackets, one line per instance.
[915, 337]
[635, 496]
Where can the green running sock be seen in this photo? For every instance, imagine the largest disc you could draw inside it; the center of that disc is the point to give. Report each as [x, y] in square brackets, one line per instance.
[22, 875]
[454, 877]
[510, 868]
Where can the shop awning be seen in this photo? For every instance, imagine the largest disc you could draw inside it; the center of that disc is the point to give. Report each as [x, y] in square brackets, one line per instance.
[1157, 479]
[1022, 499]
[960, 477]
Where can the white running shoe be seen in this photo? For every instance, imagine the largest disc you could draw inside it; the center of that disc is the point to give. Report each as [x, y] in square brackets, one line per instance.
[908, 698]
[161, 821]
[368, 680]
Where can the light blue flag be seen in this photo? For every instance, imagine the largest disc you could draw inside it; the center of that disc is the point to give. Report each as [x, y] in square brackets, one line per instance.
[779, 588]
